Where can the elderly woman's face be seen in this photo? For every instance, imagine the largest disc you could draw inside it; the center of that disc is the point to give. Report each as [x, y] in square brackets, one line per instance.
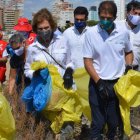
[44, 33]
[44, 25]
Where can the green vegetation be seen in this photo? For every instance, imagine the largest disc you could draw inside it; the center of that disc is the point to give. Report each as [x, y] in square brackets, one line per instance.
[92, 22]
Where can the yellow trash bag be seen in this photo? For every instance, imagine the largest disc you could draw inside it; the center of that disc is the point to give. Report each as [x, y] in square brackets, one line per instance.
[66, 105]
[128, 91]
[81, 79]
[7, 123]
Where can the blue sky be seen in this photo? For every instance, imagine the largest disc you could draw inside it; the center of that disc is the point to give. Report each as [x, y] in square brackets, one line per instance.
[31, 6]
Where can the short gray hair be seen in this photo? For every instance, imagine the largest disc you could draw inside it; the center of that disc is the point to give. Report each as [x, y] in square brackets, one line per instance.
[16, 38]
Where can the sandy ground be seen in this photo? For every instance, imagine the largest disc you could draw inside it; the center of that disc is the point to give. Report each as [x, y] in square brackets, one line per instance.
[135, 137]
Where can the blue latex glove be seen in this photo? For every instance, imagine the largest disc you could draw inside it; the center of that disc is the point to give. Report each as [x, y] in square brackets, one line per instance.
[10, 50]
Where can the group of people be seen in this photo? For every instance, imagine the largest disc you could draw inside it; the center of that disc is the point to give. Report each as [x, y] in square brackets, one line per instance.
[107, 51]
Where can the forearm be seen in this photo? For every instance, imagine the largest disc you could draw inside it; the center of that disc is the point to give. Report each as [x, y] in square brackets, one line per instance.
[11, 85]
[129, 58]
[12, 80]
[28, 72]
[90, 69]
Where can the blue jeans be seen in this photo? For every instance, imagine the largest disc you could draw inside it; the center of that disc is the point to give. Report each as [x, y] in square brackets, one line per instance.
[104, 112]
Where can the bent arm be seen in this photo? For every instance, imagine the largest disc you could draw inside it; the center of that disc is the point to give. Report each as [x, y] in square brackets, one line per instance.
[69, 62]
[88, 62]
[128, 51]
[129, 57]
[27, 67]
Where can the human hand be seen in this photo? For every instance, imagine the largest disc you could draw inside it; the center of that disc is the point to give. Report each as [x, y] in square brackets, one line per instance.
[68, 78]
[127, 68]
[102, 88]
[36, 73]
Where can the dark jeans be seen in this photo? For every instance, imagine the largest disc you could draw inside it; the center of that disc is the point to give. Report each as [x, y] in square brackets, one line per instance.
[104, 112]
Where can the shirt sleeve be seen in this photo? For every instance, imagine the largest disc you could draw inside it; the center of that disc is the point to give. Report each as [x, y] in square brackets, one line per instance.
[87, 47]
[27, 67]
[69, 62]
[128, 44]
[5, 53]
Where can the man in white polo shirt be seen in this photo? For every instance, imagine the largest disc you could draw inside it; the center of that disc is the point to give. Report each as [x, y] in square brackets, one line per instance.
[106, 51]
[74, 37]
[132, 24]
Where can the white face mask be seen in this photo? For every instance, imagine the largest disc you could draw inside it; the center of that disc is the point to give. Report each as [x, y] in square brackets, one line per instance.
[19, 51]
[134, 19]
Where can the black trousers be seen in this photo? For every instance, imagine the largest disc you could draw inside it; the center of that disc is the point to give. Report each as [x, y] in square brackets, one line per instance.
[104, 112]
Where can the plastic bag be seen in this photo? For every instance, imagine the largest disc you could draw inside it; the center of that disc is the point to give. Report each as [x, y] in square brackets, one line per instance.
[38, 93]
[128, 91]
[66, 105]
[7, 123]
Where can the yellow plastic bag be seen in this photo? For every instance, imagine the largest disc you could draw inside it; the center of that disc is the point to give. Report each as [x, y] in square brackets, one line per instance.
[81, 79]
[66, 105]
[7, 123]
[128, 91]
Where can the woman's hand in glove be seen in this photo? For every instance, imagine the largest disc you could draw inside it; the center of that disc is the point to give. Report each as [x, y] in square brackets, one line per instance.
[68, 78]
[36, 73]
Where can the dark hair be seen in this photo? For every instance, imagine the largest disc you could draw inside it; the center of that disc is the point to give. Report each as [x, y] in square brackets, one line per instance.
[16, 38]
[109, 7]
[42, 15]
[133, 5]
[81, 11]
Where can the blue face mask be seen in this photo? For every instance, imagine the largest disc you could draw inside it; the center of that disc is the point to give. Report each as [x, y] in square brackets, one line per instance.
[106, 24]
[80, 24]
[25, 34]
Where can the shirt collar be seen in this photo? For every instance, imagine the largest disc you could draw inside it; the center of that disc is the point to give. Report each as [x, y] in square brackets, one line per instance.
[75, 30]
[127, 25]
[99, 29]
[135, 29]
[55, 37]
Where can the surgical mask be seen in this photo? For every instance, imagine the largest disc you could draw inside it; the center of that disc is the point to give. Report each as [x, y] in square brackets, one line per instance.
[134, 19]
[25, 34]
[80, 24]
[19, 51]
[106, 24]
[44, 37]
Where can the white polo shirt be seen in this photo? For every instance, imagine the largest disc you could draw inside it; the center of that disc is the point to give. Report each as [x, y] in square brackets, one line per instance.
[134, 39]
[107, 51]
[74, 41]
